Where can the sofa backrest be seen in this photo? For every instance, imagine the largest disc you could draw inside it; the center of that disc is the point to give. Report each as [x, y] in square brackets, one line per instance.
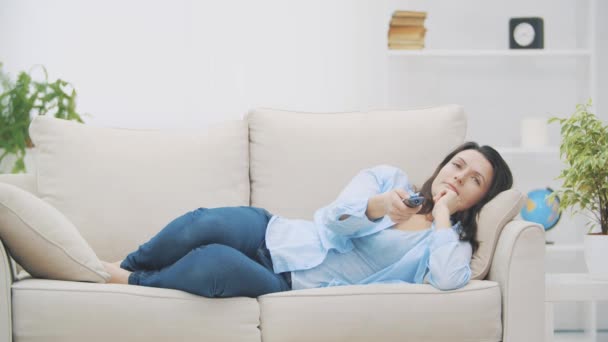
[299, 162]
[121, 186]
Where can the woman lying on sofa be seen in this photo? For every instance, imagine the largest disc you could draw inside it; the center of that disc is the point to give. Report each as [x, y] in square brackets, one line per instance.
[367, 235]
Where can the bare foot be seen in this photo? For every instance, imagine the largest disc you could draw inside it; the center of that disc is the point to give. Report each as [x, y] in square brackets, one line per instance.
[117, 263]
[117, 274]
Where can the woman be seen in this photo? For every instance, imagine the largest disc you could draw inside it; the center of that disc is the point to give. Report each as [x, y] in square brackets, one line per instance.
[367, 235]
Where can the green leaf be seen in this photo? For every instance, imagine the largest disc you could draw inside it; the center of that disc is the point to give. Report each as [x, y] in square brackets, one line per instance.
[24, 98]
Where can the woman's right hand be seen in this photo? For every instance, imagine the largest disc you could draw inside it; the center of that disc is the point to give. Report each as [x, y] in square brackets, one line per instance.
[395, 208]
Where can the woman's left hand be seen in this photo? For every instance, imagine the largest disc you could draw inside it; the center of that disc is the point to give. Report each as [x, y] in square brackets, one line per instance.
[446, 199]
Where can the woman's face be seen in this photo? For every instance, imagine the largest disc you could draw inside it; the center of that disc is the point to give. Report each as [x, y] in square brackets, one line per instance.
[469, 174]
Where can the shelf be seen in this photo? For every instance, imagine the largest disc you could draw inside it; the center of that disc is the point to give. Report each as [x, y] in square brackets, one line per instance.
[577, 287]
[528, 150]
[491, 53]
[562, 247]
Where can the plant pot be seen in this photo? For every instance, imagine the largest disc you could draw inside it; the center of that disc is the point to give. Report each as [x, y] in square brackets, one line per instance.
[596, 255]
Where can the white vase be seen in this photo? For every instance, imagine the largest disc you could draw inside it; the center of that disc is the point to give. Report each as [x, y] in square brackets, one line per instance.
[596, 256]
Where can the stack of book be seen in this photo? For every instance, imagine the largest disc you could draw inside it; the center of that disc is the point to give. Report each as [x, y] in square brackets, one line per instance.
[406, 31]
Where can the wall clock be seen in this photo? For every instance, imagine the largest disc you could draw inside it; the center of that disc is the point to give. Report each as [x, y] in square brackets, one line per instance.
[526, 33]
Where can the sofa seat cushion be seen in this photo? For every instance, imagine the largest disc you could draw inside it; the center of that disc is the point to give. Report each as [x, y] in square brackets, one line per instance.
[396, 312]
[49, 310]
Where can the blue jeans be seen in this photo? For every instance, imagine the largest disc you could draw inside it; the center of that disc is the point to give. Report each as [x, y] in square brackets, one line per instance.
[218, 252]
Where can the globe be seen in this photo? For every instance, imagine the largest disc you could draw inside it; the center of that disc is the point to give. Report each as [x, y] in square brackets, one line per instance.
[540, 209]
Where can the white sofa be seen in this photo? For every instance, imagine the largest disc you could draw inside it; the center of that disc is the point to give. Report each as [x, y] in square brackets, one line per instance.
[120, 186]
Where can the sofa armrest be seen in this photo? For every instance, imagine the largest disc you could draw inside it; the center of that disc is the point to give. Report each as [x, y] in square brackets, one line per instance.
[8, 268]
[518, 266]
[6, 280]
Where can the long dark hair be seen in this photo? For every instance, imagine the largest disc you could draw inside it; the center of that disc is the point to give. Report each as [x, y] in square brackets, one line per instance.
[501, 181]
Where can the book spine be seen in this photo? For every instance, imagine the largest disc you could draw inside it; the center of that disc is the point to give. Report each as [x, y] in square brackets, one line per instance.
[407, 21]
[409, 14]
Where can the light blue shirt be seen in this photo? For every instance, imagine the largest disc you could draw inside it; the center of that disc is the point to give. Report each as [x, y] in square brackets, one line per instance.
[329, 251]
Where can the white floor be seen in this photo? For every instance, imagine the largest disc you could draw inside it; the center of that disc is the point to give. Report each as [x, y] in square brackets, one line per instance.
[578, 337]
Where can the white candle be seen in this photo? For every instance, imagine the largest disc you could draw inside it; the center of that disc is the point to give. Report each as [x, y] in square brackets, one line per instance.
[534, 132]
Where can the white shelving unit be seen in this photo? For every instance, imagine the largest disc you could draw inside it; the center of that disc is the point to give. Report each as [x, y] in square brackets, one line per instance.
[545, 53]
[574, 287]
[491, 53]
[564, 247]
[590, 52]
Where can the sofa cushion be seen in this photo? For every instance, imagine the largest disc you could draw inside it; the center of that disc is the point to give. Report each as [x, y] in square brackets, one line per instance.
[76, 312]
[121, 186]
[24, 181]
[384, 312]
[492, 219]
[43, 241]
[301, 161]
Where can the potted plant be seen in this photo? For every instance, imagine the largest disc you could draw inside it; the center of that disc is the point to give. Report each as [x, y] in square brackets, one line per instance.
[20, 101]
[584, 148]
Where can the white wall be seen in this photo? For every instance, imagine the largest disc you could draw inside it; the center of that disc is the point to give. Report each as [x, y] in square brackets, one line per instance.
[159, 63]
[178, 63]
[602, 50]
[185, 63]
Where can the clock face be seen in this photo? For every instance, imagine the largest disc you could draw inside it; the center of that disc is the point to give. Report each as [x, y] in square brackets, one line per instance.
[523, 34]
